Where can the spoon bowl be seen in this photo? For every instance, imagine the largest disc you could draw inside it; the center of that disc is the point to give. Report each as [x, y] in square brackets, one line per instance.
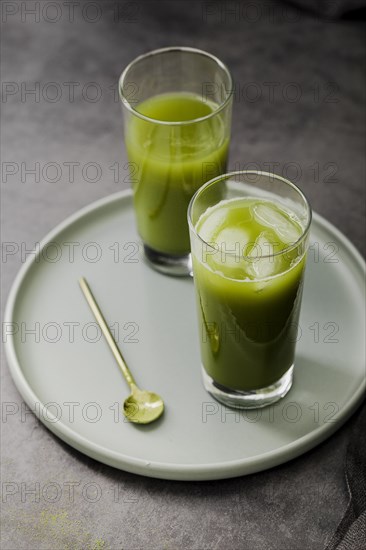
[143, 407]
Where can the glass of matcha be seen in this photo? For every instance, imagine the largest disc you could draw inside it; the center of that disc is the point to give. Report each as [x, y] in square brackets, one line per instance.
[249, 237]
[177, 113]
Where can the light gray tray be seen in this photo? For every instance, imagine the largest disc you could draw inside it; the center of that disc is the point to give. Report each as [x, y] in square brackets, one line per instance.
[67, 375]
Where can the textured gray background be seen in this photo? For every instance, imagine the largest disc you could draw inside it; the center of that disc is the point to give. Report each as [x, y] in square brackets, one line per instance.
[297, 505]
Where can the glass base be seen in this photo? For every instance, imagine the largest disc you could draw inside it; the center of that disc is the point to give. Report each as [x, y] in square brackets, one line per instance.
[178, 266]
[252, 399]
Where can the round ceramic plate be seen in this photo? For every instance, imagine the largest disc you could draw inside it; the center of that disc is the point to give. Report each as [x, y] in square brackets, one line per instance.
[67, 375]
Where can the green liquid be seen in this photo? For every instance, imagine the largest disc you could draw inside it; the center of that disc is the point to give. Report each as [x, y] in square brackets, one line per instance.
[170, 162]
[248, 305]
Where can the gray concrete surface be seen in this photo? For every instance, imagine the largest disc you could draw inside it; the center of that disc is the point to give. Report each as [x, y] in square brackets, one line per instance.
[299, 103]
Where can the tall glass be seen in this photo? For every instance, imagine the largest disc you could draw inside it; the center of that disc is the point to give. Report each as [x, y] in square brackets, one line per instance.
[249, 237]
[177, 113]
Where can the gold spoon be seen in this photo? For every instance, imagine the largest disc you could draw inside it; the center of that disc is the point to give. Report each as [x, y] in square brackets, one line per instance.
[141, 407]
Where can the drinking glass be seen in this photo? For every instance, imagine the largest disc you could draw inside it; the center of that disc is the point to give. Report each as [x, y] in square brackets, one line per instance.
[249, 237]
[177, 113]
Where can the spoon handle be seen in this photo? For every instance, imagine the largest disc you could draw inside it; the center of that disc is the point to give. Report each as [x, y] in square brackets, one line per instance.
[107, 333]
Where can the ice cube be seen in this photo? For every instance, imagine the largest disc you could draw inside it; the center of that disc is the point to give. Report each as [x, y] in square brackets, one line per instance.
[289, 233]
[231, 241]
[264, 245]
[261, 261]
[270, 216]
[229, 237]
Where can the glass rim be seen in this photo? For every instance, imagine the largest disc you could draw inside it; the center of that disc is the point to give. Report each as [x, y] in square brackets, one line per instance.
[233, 174]
[169, 49]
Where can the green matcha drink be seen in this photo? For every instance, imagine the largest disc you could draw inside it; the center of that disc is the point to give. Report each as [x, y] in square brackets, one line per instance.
[177, 115]
[248, 262]
[170, 163]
